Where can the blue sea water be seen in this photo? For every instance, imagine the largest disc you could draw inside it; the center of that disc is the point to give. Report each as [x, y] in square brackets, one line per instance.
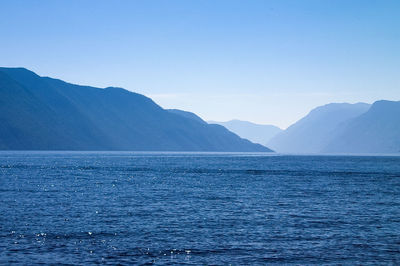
[198, 208]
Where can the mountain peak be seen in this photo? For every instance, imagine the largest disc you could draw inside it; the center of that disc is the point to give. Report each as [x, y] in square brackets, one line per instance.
[314, 131]
[375, 131]
[385, 105]
[19, 73]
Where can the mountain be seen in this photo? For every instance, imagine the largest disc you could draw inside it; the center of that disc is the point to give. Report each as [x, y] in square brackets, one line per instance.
[186, 114]
[41, 113]
[254, 132]
[376, 131]
[315, 131]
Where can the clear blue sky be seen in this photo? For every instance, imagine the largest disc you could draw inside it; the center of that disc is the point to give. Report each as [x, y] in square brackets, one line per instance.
[262, 61]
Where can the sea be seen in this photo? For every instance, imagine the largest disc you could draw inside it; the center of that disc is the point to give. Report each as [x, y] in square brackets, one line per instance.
[137, 208]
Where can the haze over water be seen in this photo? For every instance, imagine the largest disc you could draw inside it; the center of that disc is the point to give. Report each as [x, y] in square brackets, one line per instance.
[198, 208]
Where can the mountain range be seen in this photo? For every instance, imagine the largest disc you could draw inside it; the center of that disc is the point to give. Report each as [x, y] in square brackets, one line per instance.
[257, 133]
[375, 131]
[344, 128]
[42, 113]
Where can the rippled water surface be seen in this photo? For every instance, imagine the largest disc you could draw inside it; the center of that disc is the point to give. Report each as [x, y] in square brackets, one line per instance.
[166, 208]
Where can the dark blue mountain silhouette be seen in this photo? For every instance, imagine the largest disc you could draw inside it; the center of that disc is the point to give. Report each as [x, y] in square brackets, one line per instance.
[40, 113]
[187, 114]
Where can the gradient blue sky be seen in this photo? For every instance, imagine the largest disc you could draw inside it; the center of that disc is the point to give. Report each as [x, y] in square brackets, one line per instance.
[263, 61]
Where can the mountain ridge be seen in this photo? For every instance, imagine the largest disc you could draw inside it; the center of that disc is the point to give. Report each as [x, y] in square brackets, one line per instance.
[313, 132]
[257, 133]
[375, 131]
[43, 113]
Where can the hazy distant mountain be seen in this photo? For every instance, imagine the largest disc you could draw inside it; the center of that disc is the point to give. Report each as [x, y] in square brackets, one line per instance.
[254, 132]
[376, 131]
[315, 131]
[38, 113]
